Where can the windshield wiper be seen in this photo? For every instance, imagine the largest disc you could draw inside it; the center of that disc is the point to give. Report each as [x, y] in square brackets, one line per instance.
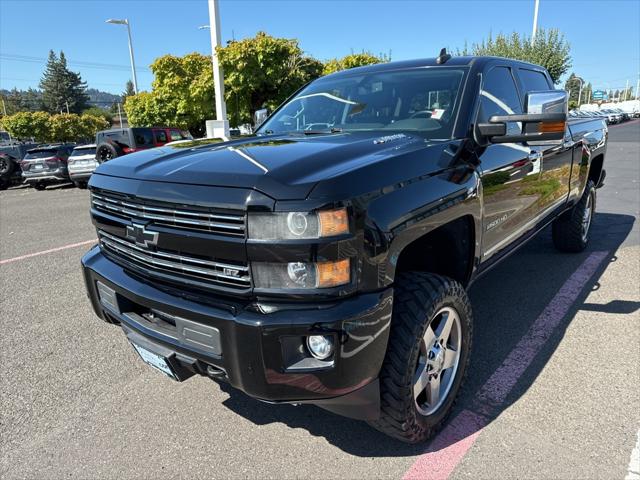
[322, 132]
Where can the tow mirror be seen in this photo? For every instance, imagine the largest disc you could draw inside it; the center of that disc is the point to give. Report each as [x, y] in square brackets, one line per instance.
[544, 123]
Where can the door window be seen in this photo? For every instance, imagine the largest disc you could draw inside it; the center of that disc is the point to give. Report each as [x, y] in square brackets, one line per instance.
[499, 96]
[161, 136]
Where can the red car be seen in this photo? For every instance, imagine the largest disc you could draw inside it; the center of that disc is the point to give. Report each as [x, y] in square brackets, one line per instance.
[115, 143]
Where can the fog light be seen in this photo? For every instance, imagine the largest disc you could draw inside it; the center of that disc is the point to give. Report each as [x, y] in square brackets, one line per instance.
[320, 346]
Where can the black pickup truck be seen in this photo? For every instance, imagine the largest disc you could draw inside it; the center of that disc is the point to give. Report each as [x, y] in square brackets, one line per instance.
[325, 259]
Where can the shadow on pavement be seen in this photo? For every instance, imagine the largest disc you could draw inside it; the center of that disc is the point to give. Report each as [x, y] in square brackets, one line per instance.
[506, 302]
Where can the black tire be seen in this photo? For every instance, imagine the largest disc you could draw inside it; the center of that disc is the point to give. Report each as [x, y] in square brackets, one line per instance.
[4, 183]
[39, 186]
[568, 230]
[107, 151]
[81, 185]
[418, 297]
[7, 165]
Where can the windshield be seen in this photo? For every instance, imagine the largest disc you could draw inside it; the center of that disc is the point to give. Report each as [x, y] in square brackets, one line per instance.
[83, 151]
[420, 100]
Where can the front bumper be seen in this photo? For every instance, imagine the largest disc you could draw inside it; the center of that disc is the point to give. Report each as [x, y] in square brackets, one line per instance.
[258, 353]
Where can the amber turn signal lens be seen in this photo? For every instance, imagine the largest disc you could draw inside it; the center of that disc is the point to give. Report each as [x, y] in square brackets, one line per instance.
[332, 274]
[333, 222]
[551, 127]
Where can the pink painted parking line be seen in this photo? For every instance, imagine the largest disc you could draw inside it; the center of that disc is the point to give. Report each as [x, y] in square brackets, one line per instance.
[44, 252]
[451, 445]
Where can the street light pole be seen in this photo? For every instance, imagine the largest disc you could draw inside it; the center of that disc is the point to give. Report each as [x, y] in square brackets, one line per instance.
[125, 21]
[580, 91]
[535, 22]
[220, 126]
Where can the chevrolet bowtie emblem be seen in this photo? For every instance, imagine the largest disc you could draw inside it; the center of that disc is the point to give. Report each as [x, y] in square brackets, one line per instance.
[141, 236]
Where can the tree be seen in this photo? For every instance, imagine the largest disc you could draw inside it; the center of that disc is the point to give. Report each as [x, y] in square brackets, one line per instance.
[182, 94]
[62, 88]
[573, 86]
[99, 112]
[128, 91]
[549, 50]
[25, 125]
[353, 60]
[261, 72]
[92, 124]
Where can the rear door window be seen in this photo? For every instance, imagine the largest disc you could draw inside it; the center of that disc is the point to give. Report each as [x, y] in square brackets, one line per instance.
[142, 137]
[533, 81]
[161, 136]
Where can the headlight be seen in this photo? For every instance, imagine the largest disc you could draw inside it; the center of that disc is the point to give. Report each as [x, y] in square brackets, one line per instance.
[298, 225]
[297, 275]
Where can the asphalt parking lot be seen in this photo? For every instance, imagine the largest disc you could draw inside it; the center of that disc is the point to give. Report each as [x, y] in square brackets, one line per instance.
[557, 337]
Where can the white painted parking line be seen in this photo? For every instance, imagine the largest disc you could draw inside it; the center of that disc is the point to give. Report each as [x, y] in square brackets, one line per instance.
[44, 252]
[633, 470]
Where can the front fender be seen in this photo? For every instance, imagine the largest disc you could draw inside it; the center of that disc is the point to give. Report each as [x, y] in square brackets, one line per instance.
[409, 211]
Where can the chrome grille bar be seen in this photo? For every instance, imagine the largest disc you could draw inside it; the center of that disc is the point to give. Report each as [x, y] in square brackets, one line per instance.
[216, 273]
[224, 224]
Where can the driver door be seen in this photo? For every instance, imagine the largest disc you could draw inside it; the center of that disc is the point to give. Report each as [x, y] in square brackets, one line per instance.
[507, 169]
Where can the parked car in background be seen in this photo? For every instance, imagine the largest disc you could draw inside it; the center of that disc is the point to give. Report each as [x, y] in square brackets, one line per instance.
[46, 165]
[11, 152]
[81, 164]
[122, 141]
[624, 116]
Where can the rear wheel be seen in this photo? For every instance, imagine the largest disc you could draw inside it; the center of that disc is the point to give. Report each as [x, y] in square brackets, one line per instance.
[427, 356]
[39, 186]
[571, 230]
[7, 166]
[81, 185]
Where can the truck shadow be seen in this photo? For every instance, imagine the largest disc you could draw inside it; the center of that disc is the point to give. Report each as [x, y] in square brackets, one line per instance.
[515, 293]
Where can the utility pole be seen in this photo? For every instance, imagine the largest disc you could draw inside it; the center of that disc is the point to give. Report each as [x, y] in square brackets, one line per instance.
[535, 22]
[220, 126]
[4, 108]
[637, 86]
[119, 114]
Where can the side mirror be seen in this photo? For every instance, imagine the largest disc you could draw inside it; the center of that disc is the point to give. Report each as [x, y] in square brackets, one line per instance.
[544, 123]
[259, 117]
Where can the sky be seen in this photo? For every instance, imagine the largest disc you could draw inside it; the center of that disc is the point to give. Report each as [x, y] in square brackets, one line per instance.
[604, 35]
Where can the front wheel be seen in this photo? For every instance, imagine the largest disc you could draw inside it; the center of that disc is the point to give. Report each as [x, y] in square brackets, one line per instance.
[571, 230]
[427, 356]
[40, 186]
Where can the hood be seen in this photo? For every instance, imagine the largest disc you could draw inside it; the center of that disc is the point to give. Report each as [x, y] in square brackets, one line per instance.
[283, 166]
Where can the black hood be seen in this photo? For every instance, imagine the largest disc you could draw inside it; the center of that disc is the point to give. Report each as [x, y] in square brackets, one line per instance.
[283, 166]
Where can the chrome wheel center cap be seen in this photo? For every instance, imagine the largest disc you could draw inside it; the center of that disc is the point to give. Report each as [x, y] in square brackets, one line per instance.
[436, 359]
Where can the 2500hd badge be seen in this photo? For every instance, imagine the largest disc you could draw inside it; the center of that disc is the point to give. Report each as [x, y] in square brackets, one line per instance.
[326, 258]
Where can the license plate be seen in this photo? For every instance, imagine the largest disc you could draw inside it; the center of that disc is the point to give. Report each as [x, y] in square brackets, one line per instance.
[156, 361]
[38, 167]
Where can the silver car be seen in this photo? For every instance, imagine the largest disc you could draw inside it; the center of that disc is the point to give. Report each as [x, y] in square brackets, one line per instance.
[82, 163]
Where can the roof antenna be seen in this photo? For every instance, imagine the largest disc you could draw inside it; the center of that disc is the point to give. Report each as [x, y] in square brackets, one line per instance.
[443, 57]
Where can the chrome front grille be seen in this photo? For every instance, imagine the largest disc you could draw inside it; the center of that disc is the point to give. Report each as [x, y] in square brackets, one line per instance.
[176, 267]
[190, 218]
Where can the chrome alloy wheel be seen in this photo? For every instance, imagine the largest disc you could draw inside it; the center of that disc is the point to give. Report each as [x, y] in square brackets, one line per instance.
[440, 349]
[587, 216]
